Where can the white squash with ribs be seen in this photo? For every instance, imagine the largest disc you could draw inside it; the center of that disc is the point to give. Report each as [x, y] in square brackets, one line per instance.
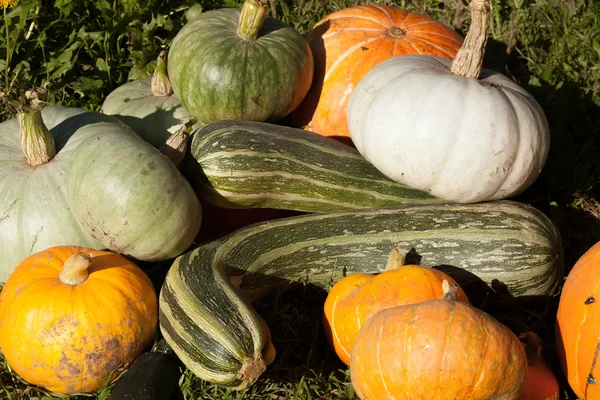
[450, 128]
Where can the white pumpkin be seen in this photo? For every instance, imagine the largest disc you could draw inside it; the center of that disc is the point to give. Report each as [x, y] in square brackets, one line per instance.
[462, 136]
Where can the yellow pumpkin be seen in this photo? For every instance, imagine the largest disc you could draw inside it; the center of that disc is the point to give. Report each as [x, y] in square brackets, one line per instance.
[71, 316]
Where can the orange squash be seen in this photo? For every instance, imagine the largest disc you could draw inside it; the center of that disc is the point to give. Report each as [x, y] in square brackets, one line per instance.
[540, 381]
[355, 298]
[437, 349]
[71, 316]
[578, 326]
[348, 43]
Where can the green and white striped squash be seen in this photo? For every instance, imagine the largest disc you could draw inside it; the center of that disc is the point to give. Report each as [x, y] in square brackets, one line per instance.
[243, 164]
[149, 106]
[216, 332]
[236, 63]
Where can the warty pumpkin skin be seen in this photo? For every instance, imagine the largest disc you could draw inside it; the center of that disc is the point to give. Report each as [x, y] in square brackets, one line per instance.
[236, 63]
[451, 129]
[578, 326]
[441, 349]
[348, 43]
[68, 329]
[357, 297]
[149, 106]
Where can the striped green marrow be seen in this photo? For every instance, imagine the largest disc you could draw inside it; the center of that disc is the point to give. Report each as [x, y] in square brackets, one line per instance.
[219, 336]
[243, 164]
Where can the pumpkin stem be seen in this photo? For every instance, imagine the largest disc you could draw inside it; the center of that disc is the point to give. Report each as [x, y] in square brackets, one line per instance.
[36, 141]
[252, 19]
[176, 145]
[75, 269]
[252, 368]
[395, 260]
[469, 58]
[161, 86]
[450, 291]
[533, 346]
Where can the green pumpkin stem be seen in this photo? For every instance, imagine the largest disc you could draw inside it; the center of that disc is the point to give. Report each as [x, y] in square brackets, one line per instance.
[252, 19]
[75, 269]
[395, 260]
[450, 291]
[469, 58]
[161, 86]
[36, 141]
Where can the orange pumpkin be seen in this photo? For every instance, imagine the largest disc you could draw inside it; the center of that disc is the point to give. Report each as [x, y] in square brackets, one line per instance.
[437, 349]
[355, 298]
[540, 381]
[348, 43]
[578, 326]
[71, 316]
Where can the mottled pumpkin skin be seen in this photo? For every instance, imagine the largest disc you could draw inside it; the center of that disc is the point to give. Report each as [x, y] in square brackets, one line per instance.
[220, 76]
[437, 349]
[132, 198]
[355, 298]
[578, 325]
[349, 43]
[69, 339]
[152, 117]
[34, 213]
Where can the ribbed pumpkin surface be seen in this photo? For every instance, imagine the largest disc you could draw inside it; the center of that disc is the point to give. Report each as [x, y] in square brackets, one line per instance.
[437, 349]
[578, 326]
[349, 43]
[219, 75]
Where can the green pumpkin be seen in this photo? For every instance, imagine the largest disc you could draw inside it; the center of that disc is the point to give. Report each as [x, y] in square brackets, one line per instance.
[137, 203]
[240, 64]
[149, 106]
[35, 153]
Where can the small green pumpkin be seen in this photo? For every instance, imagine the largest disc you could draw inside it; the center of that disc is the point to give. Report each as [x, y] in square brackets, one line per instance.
[240, 64]
[149, 106]
[131, 197]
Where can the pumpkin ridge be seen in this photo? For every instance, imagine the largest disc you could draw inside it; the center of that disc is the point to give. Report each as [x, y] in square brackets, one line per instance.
[275, 71]
[378, 356]
[483, 353]
[383, 10]
[580, 332]
[410, 38]
[415, 48]
[334, 33]
[347, 53]
[356, 17]
[415, 307]
[447, 344]
[412, 32]
[333, 325]
[243, 72]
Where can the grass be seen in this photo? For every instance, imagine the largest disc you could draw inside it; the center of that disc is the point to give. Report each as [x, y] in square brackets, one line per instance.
[86, 48]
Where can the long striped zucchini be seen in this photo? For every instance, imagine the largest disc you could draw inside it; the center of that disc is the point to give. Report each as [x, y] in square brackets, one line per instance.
[219, 336]
[245, 164]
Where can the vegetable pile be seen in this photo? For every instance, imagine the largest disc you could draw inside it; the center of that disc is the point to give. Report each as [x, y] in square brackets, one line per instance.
[374, 160]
